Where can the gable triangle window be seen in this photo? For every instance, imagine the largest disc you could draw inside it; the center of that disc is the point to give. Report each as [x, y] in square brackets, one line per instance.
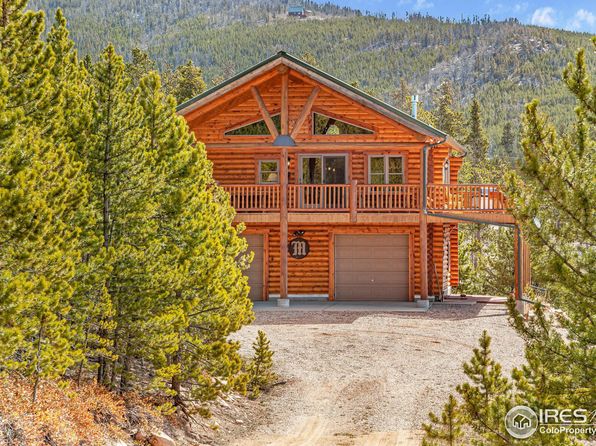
[256, 128]
[327, 125]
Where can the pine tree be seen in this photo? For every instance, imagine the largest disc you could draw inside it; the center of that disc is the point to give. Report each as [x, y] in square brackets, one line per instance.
[204, 292]
[487, 397]
[41, 187]
[508, 143]
[260, 369]
[477, 415]
[446, 430]
[122, 170]
[402, 97]
[139, 66]
[310, 59]
[476, 140]
[553, 199]
[185, 82]
[448, 118]
[74, 96]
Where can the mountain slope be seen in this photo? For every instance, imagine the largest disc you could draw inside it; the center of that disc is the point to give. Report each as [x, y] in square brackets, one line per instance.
[503, 63]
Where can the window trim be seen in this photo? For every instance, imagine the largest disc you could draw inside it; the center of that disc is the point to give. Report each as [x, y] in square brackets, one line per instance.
[386, 157]
[260, 171]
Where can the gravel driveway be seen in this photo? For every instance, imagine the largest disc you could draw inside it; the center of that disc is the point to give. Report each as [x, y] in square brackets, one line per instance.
[367, 379]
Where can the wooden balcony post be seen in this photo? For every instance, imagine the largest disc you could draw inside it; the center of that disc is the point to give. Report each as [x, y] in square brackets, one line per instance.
[283, 229]
[354, 201]
[423, 256]
[522, 271]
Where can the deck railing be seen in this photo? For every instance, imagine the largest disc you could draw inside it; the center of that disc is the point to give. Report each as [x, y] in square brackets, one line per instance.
[465, 197]
[367, 197]
[253, 197]
[388, 197]
[319, 197]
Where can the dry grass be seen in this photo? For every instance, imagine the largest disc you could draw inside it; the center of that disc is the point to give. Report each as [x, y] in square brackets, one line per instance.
[66, 414]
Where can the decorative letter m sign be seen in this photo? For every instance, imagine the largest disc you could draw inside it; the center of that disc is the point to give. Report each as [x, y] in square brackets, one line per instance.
[298, 248]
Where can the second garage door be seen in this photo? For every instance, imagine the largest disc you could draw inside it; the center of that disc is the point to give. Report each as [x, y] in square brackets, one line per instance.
[255, 272]
[371, 267]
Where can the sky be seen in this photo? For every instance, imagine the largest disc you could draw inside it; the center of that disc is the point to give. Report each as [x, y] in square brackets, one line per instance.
[573, 15]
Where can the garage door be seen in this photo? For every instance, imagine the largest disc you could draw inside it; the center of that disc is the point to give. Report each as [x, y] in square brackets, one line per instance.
[371, 267]
[255, 272]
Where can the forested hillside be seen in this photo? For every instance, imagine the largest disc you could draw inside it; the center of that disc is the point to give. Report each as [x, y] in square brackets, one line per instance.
[505, 64]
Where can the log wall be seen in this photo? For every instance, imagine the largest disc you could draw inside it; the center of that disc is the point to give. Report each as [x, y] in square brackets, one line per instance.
[313, 274]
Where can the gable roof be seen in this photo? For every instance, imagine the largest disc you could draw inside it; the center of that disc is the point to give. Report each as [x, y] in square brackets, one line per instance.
[364, 98]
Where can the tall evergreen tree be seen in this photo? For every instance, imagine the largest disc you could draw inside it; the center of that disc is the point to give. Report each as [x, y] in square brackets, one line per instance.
[448, 118]
[139, 66]
[205, 293]
[122, 170]
[402, 96]
[476, 140]
[41, 188]
[508, 143]
[185, 82]
[553, 199]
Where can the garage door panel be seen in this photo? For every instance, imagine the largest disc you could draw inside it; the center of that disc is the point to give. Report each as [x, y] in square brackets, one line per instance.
[363, 292]
[372, 252]
[372, 240]
[381, 265]
[372, 267]
[372, 278]
[255, 272]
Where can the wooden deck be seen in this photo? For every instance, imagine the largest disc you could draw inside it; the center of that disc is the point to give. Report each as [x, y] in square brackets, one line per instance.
[354, 198]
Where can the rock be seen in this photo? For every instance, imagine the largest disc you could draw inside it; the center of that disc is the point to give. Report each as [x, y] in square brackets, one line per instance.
[160, 439]
[140, 437]
[116, 443]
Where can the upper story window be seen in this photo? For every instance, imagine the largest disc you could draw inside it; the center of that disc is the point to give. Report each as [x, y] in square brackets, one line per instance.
[446, 172]
[326, 125]
[257, 128]
[386, 169]
[268, 171]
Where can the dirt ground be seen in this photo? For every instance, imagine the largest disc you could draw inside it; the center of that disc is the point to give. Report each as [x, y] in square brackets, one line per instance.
[365, 379]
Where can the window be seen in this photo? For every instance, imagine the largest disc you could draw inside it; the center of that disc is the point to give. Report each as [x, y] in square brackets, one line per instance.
[257, 128]
[385, 169]
[325, 125]
[268, 171]
[446, 172]
[323, 169]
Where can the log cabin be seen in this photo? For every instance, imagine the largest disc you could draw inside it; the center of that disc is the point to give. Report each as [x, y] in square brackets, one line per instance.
[343, 196]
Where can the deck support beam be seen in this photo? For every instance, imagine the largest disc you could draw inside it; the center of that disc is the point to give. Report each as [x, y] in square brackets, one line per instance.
[283, 228]
[521, 256]
[423, 256]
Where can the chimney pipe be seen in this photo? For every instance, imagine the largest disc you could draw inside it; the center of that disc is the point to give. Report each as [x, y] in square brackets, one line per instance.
[415, 106]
